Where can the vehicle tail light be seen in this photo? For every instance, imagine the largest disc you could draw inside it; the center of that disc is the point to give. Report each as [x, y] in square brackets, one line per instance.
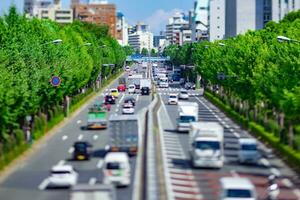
[114, 149]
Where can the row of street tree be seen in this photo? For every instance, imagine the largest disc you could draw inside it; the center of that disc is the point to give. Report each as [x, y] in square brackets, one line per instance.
[32, 51]
[255, 73]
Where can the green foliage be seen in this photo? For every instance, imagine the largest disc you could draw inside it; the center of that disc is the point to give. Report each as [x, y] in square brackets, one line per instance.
[28, 59]
[144, 52]
[258, 68]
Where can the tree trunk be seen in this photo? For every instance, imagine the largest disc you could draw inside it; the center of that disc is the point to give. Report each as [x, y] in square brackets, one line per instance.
[291, 134]
[281, 120]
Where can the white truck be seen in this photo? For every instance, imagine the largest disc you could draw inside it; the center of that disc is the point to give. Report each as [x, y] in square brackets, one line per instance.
[145, 83]
[188, 112]
[206, 144]
[144, 65]
[124, 134]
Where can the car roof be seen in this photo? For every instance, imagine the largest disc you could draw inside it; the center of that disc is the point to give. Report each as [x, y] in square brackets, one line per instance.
[173, 94]
[62, 168]
[129, 98]
[236, 183]
[113, 89]
[116, 156]
[247, 141]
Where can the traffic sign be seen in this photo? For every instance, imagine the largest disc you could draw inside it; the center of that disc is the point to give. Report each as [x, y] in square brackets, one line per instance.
[55, 81]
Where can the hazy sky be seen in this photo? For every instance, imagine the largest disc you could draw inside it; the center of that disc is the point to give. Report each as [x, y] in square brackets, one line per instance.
[153, 12]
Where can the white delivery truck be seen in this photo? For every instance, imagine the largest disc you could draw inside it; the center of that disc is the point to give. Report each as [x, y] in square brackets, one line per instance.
[144, 65]
[206, 144]
[146, 82]
[188, 112]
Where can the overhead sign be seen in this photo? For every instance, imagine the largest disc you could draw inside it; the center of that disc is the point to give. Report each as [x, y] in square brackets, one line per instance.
[55, 81]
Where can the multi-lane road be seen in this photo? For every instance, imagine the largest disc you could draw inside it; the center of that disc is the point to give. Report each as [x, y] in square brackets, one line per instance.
[29, 180]
[185, 182]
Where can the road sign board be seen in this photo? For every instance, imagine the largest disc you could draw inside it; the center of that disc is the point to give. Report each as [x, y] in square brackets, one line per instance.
[55, 81]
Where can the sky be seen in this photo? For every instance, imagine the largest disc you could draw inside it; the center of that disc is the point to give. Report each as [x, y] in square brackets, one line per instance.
[152, 12]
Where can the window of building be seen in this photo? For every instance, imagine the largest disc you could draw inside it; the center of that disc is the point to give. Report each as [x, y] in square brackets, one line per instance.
[218, 17]
[218, 26]
[218, 8]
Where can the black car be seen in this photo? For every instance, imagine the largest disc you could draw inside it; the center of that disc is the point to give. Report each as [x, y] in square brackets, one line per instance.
[82, 150]
[109, 99]
[145, 91]
[130, 100]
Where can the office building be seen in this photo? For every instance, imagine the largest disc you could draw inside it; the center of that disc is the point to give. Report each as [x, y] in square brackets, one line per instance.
[177, 23]
[200, 20]
[98, 12]
[216, 20]
[242, 15]
[32, 7]
[122, 29]
[140, 40]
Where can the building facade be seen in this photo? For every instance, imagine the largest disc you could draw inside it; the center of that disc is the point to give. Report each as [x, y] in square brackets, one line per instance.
[216, 20]
[140, 40]
[98, 12]
[32, 7]
[62, 16]
[177, 23]
[122, 29]
[200, 20]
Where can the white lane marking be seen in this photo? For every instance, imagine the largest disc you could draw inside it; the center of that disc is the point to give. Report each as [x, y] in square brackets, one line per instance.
[184, 171]
[265, 162]
[80, 137]
[44, 184]
[287, 182]
[64, 137]
[137, 98]
[183, 182]
[117, 110]
[187, 196]
[236, 135]
[61, 162]
[100, 163]
[92, 181]
[71, 150]
[182, 176]
[121, 99]
[186, 189]
[95, 137]
[118, 105]
[275, 171]
[106, 90]
[78, 121]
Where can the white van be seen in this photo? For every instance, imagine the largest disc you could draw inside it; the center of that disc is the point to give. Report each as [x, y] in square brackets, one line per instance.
[237, 188]
[131, 89]
[248, 152]
[116, 169]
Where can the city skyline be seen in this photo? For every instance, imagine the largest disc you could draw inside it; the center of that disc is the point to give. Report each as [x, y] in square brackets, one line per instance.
[153, 12]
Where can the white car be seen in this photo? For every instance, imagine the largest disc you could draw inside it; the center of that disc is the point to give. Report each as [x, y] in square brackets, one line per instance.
[62, 176]
[116, 169]
[127, 68]
[173, 99]
[237, 188]
[128, 108]
[184, 95]
[131, 89]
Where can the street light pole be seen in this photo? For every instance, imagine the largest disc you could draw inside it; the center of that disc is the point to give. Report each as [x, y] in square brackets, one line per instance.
[281, 38]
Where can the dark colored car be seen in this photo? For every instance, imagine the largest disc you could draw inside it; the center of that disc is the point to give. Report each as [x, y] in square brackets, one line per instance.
[109, 99]
[82, 150]
[145, 91]
[130, 100]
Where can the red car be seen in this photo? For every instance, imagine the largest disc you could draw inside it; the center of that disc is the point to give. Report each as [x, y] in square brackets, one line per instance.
[121, 88]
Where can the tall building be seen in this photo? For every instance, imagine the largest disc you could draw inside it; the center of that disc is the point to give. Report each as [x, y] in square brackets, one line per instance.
[99, 12]
[216, 20]
[200, 20]
[122, 29]
[177, 23]
[140, 40]
[242, 15]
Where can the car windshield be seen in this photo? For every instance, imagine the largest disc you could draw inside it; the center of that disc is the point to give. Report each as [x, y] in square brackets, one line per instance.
[131, 87]
[205, 145]
[183, 92]
[127, 106]
[248, 147]
[114, 165]
[113, 90]
[238, 193]
[186, 119]
[81, 147]
[173, 97]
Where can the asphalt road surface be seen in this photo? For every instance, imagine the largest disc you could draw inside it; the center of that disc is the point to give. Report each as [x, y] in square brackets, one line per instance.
[28, 181]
